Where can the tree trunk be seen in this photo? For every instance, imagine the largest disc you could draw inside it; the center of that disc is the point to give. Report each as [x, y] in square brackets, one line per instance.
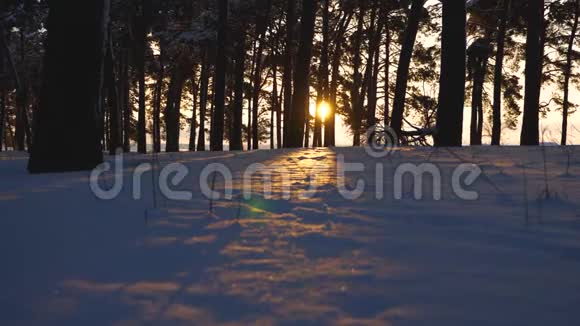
[217, 130]
[534, 53]
[2, 113]
[374, 52]
[279, 120]
[261, 29]
[67, 130]
[250, 95]
[287, 78]
[330, 125]
[203, 100]
[567, 75]
[2, 91]
[323, 78]
[240, 65]
[157, 102]
[301, 95]
[173, 109]
[356, 84]
[387, 75]
[478, 66]
[21, 125]
[452, 83]
[115, 133]
[404, 64]
[193, 124]
[140, 63]
[141, 119]
[257, 87]
[22, 99]
[498, 75]
[127, 108]
[275, 104]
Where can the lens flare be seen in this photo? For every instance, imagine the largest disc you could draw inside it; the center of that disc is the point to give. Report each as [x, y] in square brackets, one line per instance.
[323, 110]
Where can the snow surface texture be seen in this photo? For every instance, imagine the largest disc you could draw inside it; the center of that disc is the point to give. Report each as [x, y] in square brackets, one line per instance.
[68, 258]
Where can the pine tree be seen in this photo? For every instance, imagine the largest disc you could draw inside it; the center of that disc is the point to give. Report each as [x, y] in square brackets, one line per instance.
[404, 63]
[67, 136]
[301, 95]
[452, 83]
[534, 53]
[217, 130]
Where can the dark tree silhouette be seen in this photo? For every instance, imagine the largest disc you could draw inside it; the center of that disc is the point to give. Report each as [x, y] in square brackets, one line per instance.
[498, 73]
[2, 92]
[323, 78]
[142, 30]
[287, 77]
[115, 122]
[534, 53]
[404, 63]
[356, 78]
[217, 130]
[67, 136]
[240, 64]
[568, 74]
[452, 83]
[203, 99]
[300, 98]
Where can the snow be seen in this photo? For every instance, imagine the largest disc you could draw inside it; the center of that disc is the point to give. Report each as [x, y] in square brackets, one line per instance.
[512, 257]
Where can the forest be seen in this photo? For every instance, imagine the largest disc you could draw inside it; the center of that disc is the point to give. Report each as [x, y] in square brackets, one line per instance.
[78, 79]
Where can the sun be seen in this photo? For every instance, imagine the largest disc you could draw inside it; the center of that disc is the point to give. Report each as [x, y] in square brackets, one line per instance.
[323, 110]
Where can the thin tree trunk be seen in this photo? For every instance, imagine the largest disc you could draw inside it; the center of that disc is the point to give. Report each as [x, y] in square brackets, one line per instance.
[157, 102]
[2, 91]
[67, 133]
[257, 87]
[279, 120]
[404, 64]
[203, 99]
[301, 83]
[217, 130]
[567, 75]
[141, 50]
[275, 105]
[193, 124]
[534, 53]
[323, 78]
[2, 113]
[115, 133]
[374, 52]
[330, 126]
[173, 105]
[452, 83]
[287, 78]
[22, 129]
[141, 119]
[479, 70]
[356, 84]
[386, 117]
[21, 101]
[307, 125]
[261, 29]
[250, 97]
[127, 109]
[240, 65]
[498, 75]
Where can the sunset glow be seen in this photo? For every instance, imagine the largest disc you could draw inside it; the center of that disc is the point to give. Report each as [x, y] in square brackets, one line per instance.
[323, 110]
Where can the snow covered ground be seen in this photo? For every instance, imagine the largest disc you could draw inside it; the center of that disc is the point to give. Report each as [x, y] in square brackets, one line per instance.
[511, 257]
